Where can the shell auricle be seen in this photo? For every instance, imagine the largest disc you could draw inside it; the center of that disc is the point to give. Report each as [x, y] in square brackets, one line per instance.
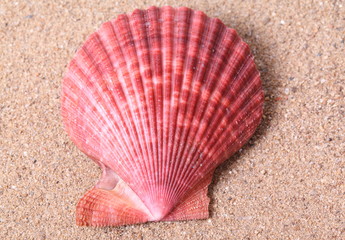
[158, 99]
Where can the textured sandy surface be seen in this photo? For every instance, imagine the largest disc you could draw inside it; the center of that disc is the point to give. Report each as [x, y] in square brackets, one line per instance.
[287, 183]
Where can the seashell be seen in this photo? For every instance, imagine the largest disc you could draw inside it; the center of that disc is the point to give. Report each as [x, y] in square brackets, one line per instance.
[158, 99]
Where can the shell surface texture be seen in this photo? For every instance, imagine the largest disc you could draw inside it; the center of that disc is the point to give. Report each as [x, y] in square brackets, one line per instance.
[158, 99]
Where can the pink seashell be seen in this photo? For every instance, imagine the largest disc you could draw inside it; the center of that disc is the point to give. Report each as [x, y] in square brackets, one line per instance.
[158, 99]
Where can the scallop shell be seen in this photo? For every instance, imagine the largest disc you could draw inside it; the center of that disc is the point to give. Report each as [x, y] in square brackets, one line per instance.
[158, 99]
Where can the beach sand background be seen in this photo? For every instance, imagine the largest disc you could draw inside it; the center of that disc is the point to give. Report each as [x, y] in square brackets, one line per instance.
[286, 183]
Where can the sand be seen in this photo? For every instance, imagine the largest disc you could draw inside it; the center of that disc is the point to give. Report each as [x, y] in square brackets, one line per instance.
[286, 183]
